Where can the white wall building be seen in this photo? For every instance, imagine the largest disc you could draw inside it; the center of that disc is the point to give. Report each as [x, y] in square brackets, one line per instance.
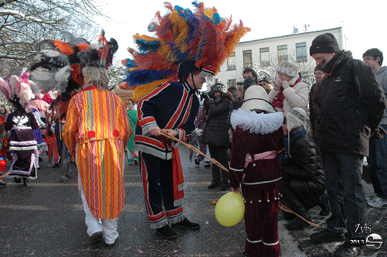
[263, 55]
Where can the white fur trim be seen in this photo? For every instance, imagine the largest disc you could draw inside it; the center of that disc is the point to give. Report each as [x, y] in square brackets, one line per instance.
[257, 123]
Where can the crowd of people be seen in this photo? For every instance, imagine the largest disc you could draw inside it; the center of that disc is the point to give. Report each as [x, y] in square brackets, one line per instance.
[310, 156]
[258, 131]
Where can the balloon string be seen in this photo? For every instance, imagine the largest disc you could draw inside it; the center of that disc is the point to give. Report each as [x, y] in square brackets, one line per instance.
[191, 147]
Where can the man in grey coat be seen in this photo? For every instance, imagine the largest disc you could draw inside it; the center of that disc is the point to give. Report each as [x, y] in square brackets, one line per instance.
[377, 159]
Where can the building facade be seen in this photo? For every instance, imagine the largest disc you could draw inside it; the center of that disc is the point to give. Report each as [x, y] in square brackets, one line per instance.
[263, 55]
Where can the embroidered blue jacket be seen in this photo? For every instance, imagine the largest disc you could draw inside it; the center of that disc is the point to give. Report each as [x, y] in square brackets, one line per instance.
[173, 105]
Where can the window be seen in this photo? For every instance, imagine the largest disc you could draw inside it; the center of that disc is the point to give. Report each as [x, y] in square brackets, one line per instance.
[264, 56]
[231, 63]
[282, 52]
[247, 59]
[231, 83]
[301, 52]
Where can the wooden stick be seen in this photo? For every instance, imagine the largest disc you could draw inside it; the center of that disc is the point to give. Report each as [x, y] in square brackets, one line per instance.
[4, 175]
[191, 147]
[284, 208]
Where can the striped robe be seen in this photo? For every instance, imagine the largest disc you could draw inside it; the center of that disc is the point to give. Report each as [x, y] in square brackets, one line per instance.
[96, 132]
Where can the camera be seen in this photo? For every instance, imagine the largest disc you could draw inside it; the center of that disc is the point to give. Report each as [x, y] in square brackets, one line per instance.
[210, 94]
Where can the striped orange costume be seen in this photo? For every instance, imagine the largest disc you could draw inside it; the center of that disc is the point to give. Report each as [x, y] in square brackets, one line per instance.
[96, 133]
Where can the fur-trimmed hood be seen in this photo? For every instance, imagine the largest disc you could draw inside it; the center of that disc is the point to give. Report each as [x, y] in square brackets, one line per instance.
[257, 123]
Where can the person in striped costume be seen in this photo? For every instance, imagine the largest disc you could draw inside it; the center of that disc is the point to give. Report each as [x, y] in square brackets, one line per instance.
[165, 73]
[96, 132]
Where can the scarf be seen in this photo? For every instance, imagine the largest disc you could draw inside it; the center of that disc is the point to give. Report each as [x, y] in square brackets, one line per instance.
[278, 101]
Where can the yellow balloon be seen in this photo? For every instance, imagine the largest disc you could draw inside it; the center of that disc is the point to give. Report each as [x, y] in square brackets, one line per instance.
[229, 210]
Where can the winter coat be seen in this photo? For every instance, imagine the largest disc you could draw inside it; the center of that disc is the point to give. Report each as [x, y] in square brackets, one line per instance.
[303, 172]
[297, 95]
[382, 79]
[314, 110]
[217, 125]
[352, 105]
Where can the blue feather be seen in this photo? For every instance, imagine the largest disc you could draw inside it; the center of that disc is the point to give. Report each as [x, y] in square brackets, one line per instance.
[147, 46]
[216, 18]
[130, 63]
[141, 77]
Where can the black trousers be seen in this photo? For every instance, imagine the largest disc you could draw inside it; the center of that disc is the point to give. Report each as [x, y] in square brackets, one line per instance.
[219, 176]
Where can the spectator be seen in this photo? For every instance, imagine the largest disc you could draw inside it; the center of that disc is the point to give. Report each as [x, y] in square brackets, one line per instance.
[234, 96]
[352, 106]
[377, 159]
[250, 73]
[303, 178]
[288, 91]
[196, 141]
[240, 91]
[314, 102]
[132, 114]
[50, 139]
[266, 84]
[216, 134]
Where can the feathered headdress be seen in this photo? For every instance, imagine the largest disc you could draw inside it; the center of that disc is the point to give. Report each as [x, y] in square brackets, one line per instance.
[59, 63]
[201, 37]
[17, 88]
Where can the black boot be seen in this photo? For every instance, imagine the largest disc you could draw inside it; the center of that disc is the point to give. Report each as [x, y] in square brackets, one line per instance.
[291, 201]
[298, 223]
[166, 232]
[186, 224]
[323, 202]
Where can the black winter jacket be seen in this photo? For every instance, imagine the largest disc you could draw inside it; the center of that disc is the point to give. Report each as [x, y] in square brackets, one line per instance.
[217, 125]
[304, 172]
[352, 105]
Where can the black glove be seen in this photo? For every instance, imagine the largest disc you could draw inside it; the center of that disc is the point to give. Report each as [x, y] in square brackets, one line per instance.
[379, 133]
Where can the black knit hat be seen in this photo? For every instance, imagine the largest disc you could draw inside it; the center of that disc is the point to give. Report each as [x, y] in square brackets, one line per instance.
[325, 43]
[248, 82]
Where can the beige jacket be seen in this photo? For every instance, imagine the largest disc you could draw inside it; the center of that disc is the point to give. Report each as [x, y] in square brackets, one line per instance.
[295, 96]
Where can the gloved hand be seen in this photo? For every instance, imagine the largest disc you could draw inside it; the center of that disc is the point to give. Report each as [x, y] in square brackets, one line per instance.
[379, 133]
[198, 132]
[285, 84]
[278, 84]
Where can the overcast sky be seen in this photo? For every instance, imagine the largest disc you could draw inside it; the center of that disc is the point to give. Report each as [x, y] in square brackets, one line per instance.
[363, 21]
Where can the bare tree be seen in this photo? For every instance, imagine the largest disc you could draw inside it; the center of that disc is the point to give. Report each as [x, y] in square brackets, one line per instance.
[25, 23]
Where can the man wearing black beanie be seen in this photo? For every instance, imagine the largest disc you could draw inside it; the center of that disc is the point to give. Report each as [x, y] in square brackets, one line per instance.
[351, 108]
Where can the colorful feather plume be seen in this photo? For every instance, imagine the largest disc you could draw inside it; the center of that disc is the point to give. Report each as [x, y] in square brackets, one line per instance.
[59, 63]
[18, 89]
[202, 36]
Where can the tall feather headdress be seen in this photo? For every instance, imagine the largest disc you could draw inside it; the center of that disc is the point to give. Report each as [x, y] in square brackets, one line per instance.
[201, 36]
[17, 88]
[59, 63]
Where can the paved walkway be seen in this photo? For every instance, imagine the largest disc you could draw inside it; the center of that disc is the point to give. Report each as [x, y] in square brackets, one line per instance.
[46, 219]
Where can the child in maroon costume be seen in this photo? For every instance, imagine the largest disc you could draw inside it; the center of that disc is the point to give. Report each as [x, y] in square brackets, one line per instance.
[257, 140]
